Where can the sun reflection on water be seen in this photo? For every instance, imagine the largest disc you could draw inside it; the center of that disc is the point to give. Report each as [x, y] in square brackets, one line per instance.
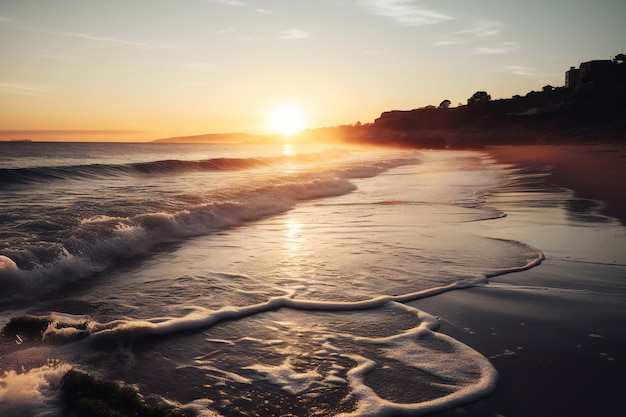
[289, 149]
[293, 237]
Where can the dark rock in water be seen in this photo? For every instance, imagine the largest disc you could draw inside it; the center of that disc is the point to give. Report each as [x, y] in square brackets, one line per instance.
[27, 325]
[86, 396]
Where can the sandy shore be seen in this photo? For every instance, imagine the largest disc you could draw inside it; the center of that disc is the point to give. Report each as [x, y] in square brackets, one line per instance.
[593, 171]
[559, 351]
[555, 333]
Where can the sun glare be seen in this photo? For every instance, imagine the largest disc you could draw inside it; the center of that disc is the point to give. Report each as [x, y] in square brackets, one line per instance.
[287, 120]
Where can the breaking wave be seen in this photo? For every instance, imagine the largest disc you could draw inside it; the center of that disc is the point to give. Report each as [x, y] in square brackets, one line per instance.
[77, 247]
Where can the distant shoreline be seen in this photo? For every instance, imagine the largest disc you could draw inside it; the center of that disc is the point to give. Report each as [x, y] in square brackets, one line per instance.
[213, 138]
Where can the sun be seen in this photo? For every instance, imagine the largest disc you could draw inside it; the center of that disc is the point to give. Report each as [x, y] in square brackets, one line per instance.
[287, 120]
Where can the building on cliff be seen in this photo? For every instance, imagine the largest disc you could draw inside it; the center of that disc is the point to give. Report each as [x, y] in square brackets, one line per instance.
[592, 75]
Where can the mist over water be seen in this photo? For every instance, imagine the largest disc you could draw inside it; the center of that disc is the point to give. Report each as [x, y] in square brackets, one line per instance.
[239, 280]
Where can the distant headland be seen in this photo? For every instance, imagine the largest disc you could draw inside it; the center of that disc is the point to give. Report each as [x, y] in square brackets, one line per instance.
[213, 138]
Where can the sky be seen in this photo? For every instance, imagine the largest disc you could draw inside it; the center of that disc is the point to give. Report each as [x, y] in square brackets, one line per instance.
[148, 69]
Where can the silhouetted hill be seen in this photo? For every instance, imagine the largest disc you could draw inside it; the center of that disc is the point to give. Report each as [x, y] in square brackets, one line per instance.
[213, 138]
[591, 109]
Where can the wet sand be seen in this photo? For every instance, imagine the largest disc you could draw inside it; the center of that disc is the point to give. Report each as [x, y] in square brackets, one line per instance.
[559, 352]
[593, 171]
[555, 333]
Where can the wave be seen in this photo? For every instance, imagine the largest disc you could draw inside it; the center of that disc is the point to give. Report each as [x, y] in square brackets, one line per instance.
[97, 242]
[449, 372]
[60, 325]
[465, 375]
[36, 175]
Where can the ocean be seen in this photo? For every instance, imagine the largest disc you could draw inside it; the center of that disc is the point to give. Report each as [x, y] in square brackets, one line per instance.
[252, 279]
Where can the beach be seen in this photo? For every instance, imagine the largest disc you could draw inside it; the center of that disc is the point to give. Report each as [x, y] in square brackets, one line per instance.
[554, 332]
[301, 280]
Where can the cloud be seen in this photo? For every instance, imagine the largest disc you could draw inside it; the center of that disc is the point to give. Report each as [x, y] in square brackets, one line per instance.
[294, 34]
[473, 34]
[22, 89]
[95, 38]
[289, 35]
[453, 41]
[229, 2]
[519, 70]
[86, 36]
[482, 29]
[501, 48]
[103, 39]
[478, 34]
[405, 12]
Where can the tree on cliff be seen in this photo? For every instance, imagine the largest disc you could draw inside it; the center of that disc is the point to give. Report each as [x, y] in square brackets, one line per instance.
[619, 59]
[445, 104]
[479, 97]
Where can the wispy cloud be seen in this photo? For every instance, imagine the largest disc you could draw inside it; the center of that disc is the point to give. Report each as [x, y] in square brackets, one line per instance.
[224, 31]
[229, 2]
[473, 34]
[478, 35]
[103, 39]
[483, 29]
[288, 35]
[500, 48]
[405, 12]
[294, 34]
[519, 70]
[90, 37]
[22, 89]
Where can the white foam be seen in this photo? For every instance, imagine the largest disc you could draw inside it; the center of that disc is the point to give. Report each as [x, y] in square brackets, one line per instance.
[467, 374]
[287, 377]
[530, 263]
[30, 393]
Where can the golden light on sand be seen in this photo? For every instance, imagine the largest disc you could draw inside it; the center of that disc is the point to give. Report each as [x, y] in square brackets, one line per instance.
[287, 120]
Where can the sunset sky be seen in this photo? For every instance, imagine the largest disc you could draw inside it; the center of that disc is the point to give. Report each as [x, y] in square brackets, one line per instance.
[146, 69]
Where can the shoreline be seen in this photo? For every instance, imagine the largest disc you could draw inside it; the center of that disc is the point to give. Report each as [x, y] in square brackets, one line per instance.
[596, 172]
[558, 350]
[554, 332]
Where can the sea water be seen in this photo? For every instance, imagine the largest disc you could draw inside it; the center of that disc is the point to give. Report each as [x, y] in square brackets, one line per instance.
[237, 280]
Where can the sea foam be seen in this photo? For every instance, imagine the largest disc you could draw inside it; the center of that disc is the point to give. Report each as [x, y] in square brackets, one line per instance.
[32, 392]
